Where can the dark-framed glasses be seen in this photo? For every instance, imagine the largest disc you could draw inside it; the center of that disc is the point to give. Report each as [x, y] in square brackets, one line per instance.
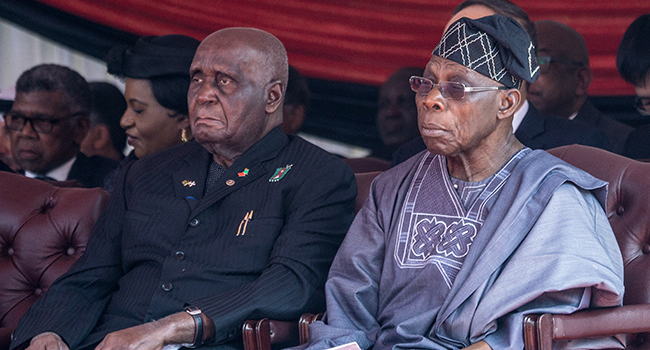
[544, 63]
[41, 124]
[642, 105]
[448, 89]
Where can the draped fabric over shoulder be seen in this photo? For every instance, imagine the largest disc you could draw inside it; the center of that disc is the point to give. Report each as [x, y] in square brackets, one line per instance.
[544, 245]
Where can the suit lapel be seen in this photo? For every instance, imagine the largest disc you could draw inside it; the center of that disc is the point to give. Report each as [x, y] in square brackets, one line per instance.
[79, 170]
[189, 180]
[253, 160]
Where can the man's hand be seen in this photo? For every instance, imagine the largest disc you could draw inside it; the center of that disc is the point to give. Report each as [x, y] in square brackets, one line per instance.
[148, 336]
[174, 329]
[47, 341]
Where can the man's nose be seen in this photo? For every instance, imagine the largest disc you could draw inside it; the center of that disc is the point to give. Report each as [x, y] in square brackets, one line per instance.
[434, 100]
[206, 94]
[28, 130]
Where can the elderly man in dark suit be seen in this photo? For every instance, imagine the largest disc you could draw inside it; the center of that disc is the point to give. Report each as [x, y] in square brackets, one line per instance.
[241, 222]
[47, 123]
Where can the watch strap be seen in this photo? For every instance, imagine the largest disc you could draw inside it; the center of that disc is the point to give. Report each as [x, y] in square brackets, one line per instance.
[195, 312]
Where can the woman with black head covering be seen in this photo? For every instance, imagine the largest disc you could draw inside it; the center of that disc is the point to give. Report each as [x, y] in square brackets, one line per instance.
[157, 77]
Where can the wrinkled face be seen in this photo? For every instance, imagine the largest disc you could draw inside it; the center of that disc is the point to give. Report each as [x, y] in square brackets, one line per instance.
[227, 95]
[397, 118]
[452, 127]
[554, 92]
[149, 126]
[38, 152]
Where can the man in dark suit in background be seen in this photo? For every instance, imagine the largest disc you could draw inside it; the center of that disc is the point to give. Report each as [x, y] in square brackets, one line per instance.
[241, 222]
[562, 87]
[48, 121]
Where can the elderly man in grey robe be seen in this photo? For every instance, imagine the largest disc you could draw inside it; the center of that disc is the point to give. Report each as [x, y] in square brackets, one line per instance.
[454, 246]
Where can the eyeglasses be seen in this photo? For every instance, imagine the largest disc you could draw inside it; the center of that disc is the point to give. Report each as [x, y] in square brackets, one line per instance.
[642, 105]
[544, 62]
[448, 89]
[40, 124]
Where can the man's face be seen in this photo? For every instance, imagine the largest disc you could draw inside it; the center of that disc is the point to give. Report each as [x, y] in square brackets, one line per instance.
[554, 92]
[451, 127]
[38, 152]
[227, 96]
[397, 117]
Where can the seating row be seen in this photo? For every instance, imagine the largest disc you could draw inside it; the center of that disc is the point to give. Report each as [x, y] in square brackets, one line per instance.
[44, 229]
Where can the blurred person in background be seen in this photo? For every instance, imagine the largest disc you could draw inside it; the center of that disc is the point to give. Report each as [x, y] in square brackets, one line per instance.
[105, 136]
[633, 63]
[6, 101]
[296, 102]
[397, 115]
[563, 84]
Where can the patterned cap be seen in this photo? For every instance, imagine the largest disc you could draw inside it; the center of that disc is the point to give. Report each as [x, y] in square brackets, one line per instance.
[495, 46]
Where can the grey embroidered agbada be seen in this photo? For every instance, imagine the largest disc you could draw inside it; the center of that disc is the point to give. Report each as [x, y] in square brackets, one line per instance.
[541, 243]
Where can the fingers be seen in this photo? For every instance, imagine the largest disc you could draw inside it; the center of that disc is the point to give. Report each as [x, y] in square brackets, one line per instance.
[47, 341]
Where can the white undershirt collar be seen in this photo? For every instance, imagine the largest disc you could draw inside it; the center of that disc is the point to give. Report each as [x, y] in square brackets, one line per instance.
[59, 173]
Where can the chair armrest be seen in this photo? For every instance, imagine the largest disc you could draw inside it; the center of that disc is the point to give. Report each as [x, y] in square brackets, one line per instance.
[541, 330]
[602, 322]
[256, 334]
[268, 334]
[303, 325]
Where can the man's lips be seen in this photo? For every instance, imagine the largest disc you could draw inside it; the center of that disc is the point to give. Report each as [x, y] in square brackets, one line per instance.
[208, 121]
[431, 131]
[27, 154]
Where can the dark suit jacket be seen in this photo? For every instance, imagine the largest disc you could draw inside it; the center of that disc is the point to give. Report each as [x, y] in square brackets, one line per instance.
[5, 167]
[535, 131]
[638, 144]
[91, 171]
[543, 132]
[617, 132]
[161, 244]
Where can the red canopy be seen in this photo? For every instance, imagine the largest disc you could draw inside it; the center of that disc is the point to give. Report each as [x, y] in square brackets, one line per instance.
[360, 41]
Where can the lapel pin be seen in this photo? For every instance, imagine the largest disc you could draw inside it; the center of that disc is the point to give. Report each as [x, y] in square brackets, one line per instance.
[189, 183]
[230, 182]
[280, 173]
[243, 173]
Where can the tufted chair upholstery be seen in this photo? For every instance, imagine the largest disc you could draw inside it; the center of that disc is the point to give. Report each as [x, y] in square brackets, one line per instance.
[43, 231]
[628, 210]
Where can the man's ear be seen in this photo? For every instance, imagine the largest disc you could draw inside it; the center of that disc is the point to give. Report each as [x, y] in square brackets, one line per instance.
[509, 103]
[102, 136]
[585, 76]
[274, 96]
[81, 126]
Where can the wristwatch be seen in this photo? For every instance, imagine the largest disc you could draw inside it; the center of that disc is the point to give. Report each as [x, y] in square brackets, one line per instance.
[195, 312]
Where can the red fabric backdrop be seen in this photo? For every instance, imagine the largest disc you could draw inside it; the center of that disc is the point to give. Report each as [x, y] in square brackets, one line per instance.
[361, 41]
